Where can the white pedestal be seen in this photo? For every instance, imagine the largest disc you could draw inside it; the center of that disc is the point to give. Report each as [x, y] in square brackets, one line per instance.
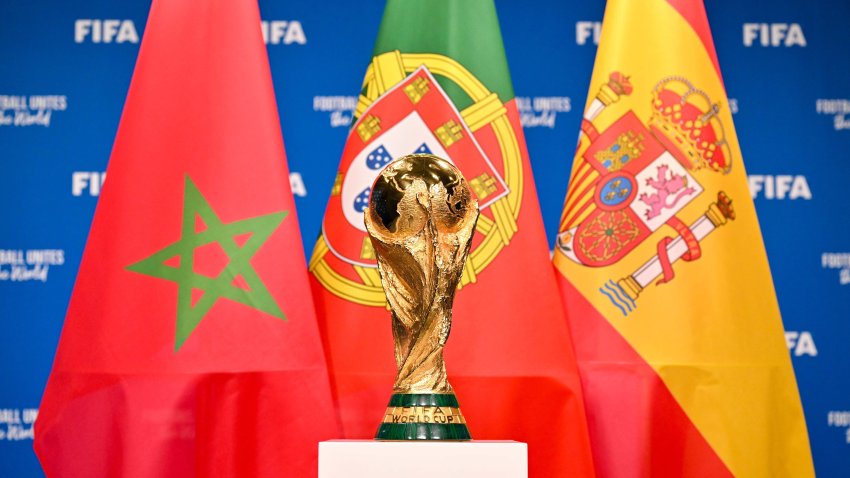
[422, 459]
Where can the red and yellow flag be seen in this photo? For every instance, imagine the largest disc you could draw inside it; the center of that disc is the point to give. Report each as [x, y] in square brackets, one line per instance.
[190, 347]
[663, 271]
[439, 83]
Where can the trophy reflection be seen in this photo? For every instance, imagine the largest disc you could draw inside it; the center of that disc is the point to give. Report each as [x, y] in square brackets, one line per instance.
[421, 218]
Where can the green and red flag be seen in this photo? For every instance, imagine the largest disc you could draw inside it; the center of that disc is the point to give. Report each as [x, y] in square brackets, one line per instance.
[438, 83]
[190, 346]
[662, 267]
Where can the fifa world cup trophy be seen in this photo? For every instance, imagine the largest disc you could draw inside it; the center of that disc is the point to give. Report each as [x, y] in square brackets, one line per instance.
[421, 218]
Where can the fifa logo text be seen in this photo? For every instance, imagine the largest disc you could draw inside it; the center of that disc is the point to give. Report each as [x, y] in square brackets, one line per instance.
[774, 34]
[588, 31]
[781, 186]
[105, 31]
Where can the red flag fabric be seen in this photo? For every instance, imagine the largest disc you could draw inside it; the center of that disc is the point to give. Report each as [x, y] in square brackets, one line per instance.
[190, 346]
[438, 83]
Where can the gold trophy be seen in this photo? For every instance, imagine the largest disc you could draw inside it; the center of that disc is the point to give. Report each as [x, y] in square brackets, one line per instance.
[421, 218]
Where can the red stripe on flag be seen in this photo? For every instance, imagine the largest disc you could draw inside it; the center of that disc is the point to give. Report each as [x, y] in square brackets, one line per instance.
[694, 251]
[590, 130]
[693, 11]
[637, 428]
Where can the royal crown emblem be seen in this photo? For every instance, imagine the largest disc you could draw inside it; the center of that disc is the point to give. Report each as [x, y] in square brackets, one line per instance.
[685, 121]
[634, 178]
[403, 110]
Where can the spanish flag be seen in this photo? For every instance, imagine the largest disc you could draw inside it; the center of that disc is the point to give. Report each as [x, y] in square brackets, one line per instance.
[662, 268]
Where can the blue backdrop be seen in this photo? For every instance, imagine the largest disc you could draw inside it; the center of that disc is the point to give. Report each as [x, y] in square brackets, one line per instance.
[65, 68]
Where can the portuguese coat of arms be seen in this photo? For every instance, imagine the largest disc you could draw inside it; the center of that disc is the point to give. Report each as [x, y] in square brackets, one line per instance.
[404, 109]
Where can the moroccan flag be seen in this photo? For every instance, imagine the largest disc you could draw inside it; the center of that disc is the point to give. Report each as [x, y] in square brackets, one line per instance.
[662, 267]
[438, 83]
[190, 347]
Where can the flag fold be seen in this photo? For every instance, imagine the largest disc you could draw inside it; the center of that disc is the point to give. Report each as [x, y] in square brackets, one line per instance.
[190, 346]
[662, 267]
[438, 83]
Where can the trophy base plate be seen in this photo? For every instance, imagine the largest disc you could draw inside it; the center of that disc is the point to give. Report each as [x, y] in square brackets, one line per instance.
[423, 416]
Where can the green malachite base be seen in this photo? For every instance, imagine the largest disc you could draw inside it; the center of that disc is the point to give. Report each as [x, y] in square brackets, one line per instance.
[422, 431]
[423, 416]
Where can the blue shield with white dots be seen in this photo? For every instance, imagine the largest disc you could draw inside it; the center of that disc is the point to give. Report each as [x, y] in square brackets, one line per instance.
[378, 158]
[362, 200]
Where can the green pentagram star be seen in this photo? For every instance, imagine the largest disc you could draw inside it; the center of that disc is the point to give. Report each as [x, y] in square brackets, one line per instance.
[212, 288]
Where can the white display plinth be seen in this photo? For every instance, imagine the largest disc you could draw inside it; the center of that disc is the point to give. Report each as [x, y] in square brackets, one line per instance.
[422, 459]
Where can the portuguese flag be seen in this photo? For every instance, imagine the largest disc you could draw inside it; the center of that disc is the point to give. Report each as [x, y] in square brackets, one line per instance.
[190, 347]
[662, 266]
[438, 83]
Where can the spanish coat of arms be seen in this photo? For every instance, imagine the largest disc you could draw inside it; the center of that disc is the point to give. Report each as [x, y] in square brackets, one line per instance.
[633, 178]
